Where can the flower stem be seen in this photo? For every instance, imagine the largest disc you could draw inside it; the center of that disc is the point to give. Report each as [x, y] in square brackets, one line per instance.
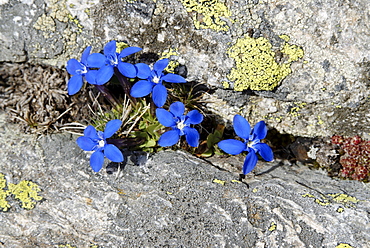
[106, 93]
[125, 84]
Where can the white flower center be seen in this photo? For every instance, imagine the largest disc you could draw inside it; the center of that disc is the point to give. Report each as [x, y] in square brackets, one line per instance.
[82, 71]
[155, 79]
[101, 143]
[180, 125]
[251, 143]
[113, 59]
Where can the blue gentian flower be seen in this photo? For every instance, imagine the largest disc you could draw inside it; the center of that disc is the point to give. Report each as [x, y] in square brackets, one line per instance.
[94, 140]
[180, 125]
[152, 81]
[79, 70]
[110, 60]
[251, 143]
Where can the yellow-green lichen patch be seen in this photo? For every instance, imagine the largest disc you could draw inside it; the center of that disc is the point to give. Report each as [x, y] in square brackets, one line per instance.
[4, 205]
[173, 63]
[340, 210]
[346, 200]
[255, 64]
[120, 46]
[219, 181]
[343, 245]
[295, 111]
[293, 51]
[208, 14]
[48, 23]
[272, 226]
[284, 37]
[225, 84]
[336, 198]
[26, 192]
[66, 246]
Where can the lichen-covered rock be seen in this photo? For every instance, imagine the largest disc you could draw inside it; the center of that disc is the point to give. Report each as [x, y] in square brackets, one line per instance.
[308, 78]
[173, 200]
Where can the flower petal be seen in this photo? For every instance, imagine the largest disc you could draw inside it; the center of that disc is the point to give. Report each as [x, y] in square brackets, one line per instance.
[260, 130]
[95, 60]
[86, 143]
[250, 162]
[242, 127]
[192, 136]
[112, 127]
[113, 153]
[127, 69]
[128, 51]
[165, 118]
[104, 74]
[160, 65]
[265, 151]
[141, 88]
[90, 76]
[177, 109]
[91, 132]
[194, 117]
[85, 54]
[143, 71]
[110, 48]
[232, 146]
[159, 95]
[74, 84]
[169, 138]
[173, 78]
[73, 66]
[97, 160]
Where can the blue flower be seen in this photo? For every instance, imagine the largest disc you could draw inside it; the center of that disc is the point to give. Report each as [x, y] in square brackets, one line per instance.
[180, 125]
[94, 140]
[251, 143]
[79, 70]
[152, 81]
[110, 60]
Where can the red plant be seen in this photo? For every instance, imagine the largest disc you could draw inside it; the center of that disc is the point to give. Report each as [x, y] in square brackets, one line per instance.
[356, 157]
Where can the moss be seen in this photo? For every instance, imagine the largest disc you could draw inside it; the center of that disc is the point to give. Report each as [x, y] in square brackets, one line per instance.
[208, 14]
[26, 192]
[173, 63]
[4, 205]
[256, 67]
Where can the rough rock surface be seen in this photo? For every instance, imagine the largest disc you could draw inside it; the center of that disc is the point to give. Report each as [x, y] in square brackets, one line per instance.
[173, 200]
[326, 92]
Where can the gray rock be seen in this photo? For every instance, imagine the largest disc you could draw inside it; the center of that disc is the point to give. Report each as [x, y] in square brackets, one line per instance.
[325, 94]
[174, 200]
